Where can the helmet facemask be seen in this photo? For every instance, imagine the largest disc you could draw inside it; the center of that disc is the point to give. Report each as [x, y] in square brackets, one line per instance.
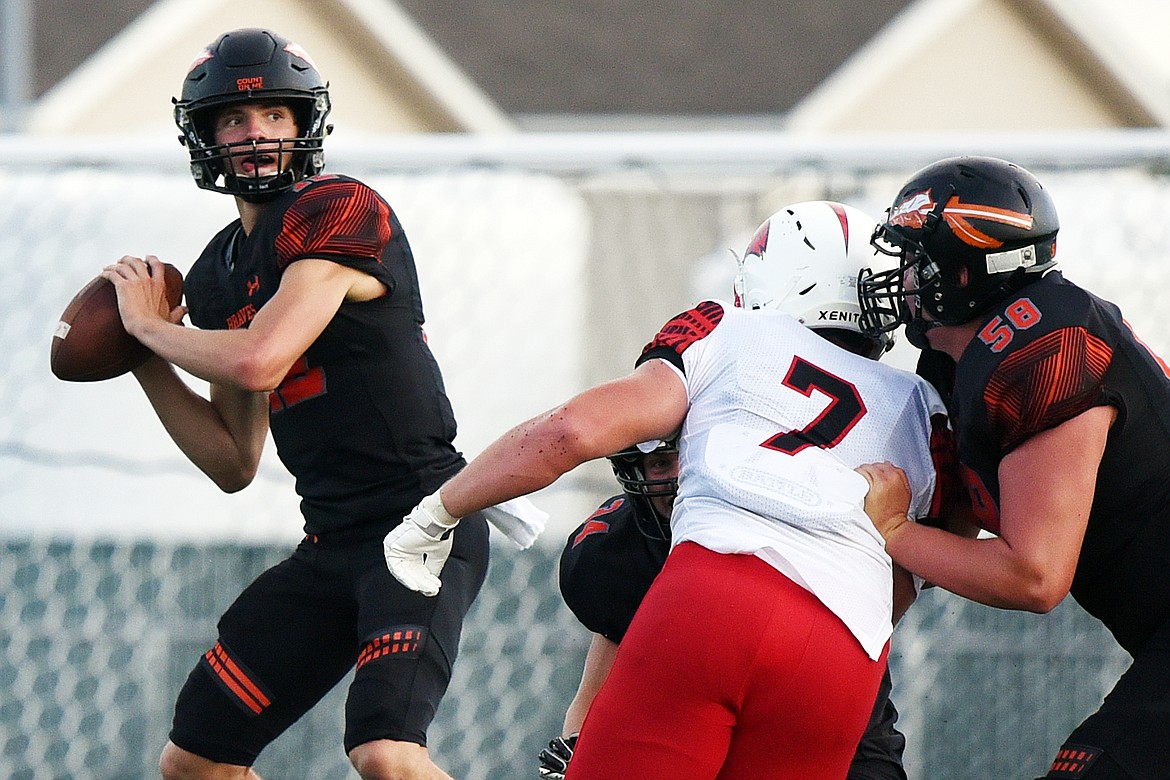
[971, 230]
[886, 302]
[244, 66]
[629, 466]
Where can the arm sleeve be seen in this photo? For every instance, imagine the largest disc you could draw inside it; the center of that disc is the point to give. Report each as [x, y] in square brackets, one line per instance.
[1046, 383]
[681, 332]
[338, 219]
[947, 482]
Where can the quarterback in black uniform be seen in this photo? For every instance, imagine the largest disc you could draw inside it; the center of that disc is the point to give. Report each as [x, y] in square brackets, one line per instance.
[1062, 419]
[309, 324]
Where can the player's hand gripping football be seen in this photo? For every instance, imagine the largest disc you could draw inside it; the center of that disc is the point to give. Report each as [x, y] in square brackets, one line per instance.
[142, 292]
[418, 547]
[554, 759]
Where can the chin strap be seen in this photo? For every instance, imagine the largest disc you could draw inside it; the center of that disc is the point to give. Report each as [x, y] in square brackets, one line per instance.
[916, 331]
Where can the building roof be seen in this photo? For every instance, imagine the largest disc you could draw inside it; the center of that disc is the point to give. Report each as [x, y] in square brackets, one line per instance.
[655, 57]
[993, 65]
[562, 56]
[385, 73]
[677, 64]
[65, 33]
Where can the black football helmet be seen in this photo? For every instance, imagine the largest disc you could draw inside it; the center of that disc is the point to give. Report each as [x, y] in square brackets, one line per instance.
[630, 472]
[252, 64]
[983, 216]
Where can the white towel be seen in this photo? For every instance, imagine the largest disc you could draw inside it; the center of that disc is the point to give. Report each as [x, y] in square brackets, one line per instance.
[519, 519]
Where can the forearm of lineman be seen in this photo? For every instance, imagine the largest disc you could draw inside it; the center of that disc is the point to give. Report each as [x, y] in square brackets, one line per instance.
[649, 403]
[986, 570]
[1046, 489]
[224, 436]
[527, 458]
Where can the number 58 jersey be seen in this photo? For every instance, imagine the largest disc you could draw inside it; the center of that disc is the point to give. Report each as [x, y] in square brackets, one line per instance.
[779, 418]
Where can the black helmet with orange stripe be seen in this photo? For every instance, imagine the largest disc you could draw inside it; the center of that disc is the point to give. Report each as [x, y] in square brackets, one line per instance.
[971, 230]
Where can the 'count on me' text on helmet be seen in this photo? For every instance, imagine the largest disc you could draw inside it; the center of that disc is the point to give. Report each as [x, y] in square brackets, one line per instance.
[972, 230]
[629, 468]
[804, 260]
[245, 65]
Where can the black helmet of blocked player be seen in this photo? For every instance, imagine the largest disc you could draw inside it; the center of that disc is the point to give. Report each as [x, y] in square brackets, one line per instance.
[629, 466]
[252, 65]
[804, 260]
[971, 230]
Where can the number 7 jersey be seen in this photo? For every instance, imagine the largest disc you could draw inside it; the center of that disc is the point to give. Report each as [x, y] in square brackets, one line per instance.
[779, 418]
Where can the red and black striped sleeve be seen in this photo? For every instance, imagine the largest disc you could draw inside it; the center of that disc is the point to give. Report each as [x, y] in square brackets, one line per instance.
[947, 480]
[1045, 383]
[335, 218]
[681, 332]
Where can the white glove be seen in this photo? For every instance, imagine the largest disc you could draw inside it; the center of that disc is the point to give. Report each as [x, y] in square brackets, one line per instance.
[417, 548]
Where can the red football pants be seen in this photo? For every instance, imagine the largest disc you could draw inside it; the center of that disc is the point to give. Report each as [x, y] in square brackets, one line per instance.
[729, 671]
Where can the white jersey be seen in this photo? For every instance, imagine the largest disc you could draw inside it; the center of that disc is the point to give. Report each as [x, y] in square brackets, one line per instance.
[779, 418]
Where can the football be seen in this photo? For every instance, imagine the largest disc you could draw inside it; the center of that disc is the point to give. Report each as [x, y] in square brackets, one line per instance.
[90, 343]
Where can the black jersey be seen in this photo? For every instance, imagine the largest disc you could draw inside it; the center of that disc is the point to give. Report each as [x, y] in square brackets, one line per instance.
[607, 567]
[362, 420]
[1050, 352]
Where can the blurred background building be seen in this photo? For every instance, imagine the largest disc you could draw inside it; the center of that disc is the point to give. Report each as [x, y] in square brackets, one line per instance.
[847, 66]
[570, 175]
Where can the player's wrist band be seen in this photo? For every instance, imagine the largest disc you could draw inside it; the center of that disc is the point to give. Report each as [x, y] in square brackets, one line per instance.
[441, 520]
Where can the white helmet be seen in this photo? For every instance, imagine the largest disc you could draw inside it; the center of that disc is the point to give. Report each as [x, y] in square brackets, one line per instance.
[804, 260]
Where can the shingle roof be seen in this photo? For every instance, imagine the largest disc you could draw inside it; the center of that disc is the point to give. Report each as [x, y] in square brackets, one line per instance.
[670, 57]
[649, 57]
[67, 32]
